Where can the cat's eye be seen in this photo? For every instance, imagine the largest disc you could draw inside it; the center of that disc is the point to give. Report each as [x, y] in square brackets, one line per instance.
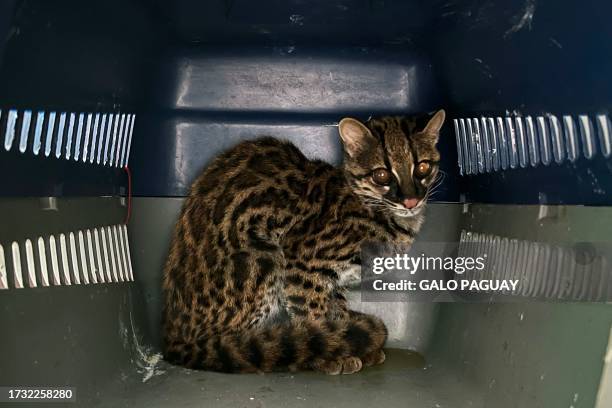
[381, 176]
[422, 169]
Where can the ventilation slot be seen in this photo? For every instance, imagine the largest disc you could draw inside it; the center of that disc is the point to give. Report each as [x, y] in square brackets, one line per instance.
[489, 144]
[100, 138]
[99, 255]
[3, 278]
[581, 272]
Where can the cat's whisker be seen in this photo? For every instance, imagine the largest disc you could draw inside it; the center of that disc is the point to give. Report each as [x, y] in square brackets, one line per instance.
[435, 186]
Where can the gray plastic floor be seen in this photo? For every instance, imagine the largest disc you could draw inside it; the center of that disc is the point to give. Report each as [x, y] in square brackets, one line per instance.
[405, 380]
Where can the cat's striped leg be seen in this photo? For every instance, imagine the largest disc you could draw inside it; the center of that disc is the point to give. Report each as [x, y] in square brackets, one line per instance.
[306, 294]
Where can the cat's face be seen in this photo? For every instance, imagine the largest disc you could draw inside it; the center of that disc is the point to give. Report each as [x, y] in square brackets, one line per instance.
[390, 164]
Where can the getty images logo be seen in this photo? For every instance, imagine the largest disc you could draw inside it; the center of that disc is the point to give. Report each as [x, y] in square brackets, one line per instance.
[412, 265]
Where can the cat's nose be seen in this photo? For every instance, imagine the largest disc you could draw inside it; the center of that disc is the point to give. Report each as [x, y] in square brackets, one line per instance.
[410, 202]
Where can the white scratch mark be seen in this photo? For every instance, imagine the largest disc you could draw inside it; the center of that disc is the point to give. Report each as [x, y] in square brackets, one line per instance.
[556, 43]
[147, 361]
[297, 19]
[525, 20]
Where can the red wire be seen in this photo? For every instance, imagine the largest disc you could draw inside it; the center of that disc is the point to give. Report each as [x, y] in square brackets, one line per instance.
[129, 203]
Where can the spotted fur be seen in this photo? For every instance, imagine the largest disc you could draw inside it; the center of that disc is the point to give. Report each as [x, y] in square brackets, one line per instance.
[267, 242]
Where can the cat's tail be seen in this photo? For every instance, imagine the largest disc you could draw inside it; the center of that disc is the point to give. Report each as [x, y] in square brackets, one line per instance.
[330, 346]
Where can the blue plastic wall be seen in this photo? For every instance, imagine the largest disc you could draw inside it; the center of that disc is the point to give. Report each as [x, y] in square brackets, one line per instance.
[293, 69]
[212, 99]
[529, 57]
[204, 75]
[74, 56]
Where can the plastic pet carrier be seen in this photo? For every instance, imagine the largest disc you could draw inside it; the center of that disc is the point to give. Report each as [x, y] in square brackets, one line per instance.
[110, 109]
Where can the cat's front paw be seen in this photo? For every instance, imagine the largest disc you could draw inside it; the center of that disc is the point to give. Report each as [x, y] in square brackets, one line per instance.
[351, 365]
[345, 365]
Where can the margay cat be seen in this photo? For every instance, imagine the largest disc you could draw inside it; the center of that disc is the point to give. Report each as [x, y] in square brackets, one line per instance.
[268, 240]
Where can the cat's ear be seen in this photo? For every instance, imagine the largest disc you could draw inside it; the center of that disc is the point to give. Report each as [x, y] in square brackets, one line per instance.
[356, 137]
[435, 124]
